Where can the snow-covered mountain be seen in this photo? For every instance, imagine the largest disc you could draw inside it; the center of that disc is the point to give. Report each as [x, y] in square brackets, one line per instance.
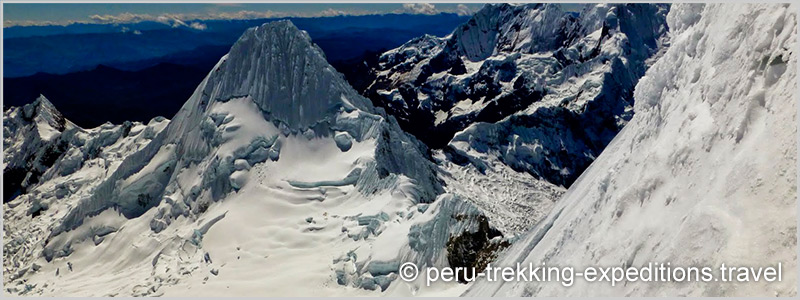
[30, 135]
[703, 175]
[39, 145]
[274, 176]
[49, 165]
[529, 85]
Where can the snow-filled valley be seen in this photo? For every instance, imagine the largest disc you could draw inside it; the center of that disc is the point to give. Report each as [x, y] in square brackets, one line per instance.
[627, 133]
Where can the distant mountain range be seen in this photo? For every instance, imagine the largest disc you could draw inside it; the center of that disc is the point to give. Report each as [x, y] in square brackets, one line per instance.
[86, 69]
[80, 47]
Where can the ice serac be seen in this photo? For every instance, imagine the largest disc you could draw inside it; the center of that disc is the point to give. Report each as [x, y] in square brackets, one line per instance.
[703, 175]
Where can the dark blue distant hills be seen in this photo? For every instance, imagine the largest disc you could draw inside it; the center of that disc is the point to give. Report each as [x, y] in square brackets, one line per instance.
[96, 73]
[63, 49]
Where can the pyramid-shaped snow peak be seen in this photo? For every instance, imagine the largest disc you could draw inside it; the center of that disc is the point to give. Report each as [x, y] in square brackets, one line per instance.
[273, 90]
[284, 73]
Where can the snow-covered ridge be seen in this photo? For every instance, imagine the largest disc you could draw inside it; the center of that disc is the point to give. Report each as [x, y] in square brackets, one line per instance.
[28, 134]
[704, 174]
[507, 28]
[40, 144]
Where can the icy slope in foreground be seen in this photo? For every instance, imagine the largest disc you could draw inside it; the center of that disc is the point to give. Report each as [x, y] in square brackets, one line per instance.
[704, 174]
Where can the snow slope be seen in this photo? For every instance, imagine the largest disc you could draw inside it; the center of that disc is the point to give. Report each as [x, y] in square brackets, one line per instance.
[704, 174]
[275, 178]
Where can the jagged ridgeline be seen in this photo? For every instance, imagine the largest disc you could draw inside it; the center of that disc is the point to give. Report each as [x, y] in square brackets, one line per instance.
[538, 88]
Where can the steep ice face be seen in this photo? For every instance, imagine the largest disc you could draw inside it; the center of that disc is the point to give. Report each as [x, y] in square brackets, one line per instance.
[710, 154]
[527, 85]
[285, 75]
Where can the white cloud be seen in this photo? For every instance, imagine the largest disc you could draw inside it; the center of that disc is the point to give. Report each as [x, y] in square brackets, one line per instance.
[197, 26]
[463, 10]
[420, 8]
[174, 20]
[330, 12]
[9, 23]
[120, 18]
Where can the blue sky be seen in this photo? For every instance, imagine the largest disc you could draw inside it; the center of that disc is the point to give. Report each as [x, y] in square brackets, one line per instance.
[65, 13]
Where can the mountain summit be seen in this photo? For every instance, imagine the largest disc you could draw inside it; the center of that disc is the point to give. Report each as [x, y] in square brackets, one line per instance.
[274, 84]
[285, 74]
